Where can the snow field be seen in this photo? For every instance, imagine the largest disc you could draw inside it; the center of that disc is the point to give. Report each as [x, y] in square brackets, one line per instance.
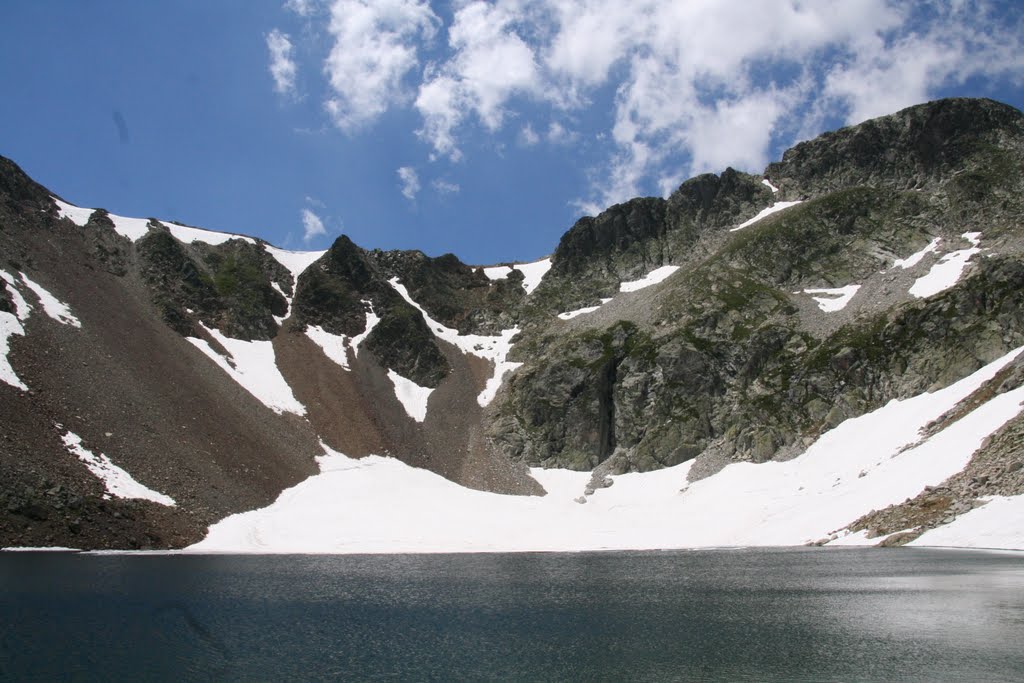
[117, 481]
[378, 504]
[533, 273]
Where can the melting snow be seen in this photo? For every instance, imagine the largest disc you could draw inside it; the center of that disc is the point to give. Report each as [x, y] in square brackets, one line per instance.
[948, 270]
[75, 214]
[412, 396]
[336, 346]
[652, 278]
[9, 326]
[774, 208]
[916, 257]
[378, 504]
[118, 483]
[765, 181]
[492, 348]
[834, 299]
[533, 273]
[53, 307]
[294, 261]
[21, 307]
[254, 366]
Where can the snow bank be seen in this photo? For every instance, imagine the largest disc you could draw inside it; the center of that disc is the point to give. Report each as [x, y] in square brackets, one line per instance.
[533, 273]
[998, 524]
[412, 396]
[948, 270]
[652, 278]
[916, 257]
[295, 261]
[118, 482]
[833, 299]
[378, 504]
[253, 365]
[492, 348]
[774, 208]
[52, 306]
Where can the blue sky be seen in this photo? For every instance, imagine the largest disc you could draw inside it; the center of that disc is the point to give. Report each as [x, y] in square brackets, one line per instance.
[480, 128]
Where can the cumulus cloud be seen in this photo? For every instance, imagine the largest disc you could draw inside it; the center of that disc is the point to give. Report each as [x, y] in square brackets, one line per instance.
[282, 64]
[676, 88]
[374, 50]
[410, 182]
[312, 226]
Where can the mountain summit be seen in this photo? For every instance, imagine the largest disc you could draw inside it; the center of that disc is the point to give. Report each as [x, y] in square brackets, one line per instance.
[157, 377]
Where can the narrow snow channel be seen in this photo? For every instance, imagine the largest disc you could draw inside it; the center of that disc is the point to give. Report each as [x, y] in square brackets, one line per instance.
[774, 208]
[378, 504]
[492, 348]
[117, 481]
[337, 346]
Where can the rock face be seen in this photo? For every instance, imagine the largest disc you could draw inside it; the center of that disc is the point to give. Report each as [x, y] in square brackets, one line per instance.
[767, 334]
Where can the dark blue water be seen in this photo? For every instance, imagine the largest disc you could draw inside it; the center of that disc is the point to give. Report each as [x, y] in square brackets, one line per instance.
[785, 615]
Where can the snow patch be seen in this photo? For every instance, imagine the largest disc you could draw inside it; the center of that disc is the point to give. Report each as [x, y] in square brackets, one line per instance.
[287, 299]
[412, 396]
[253, 365]
[132, 228]
[569, 315]
[948, 270]
[9, 326]
[117, 481]
[52, 306]
[492, 348]
[833, 299]
[75, 214]
[295, 261]
[652, 278]
[916, 257]
[378, 504]
[533, 273]
[774, 208]
[768, 183]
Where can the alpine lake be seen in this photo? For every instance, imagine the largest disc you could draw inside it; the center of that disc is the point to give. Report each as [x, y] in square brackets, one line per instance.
[791, 614]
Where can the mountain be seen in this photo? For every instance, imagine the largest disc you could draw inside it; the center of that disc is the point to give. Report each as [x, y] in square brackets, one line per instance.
[158, 377]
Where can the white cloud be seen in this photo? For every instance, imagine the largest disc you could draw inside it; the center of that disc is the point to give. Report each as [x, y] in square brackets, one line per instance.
[304, 8]
[490, 63]
[410, 182]
[374, 50]
[312, 226]
[675, 88]
[282, 65]
[528, 136]
[446, 187]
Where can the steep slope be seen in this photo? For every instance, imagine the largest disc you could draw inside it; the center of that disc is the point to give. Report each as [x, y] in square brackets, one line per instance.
[158, 377]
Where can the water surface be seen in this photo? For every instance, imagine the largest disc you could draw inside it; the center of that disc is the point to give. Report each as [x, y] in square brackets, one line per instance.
[785, 615]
